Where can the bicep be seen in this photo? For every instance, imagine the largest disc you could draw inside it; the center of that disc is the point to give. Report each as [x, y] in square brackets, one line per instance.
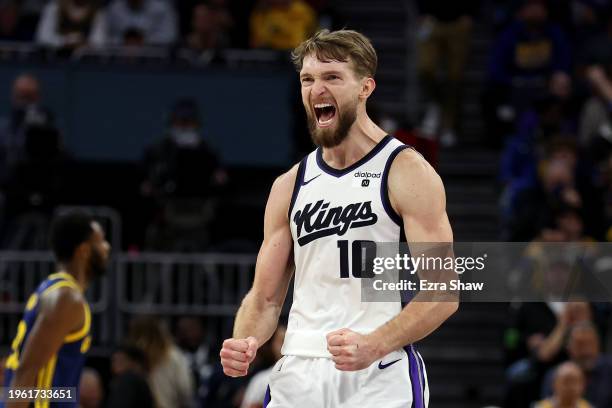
[432, 228]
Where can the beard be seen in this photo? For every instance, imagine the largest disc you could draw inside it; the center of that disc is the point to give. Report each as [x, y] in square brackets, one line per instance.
[97, 265]
[330, 137]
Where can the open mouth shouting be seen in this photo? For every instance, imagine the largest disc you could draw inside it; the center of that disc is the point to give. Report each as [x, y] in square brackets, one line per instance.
[325, 113]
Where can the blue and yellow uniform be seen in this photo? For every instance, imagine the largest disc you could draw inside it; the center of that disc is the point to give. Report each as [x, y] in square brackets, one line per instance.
[64, 368]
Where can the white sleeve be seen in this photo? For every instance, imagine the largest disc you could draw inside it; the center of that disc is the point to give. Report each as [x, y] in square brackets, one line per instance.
[113, 19]
[165, 32]
[98, 37]
[46, 32]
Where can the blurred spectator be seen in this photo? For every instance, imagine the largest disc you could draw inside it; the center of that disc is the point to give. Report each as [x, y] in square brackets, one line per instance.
[36, 183]
[91, 391]
[25, 111]
[185, 202]
[569, 221]
[281, 24]
[443, 40]
[584, 350]
[256, 390]
[592, 30]
[526, 55]
[190, 338]
[169, 374]
[568, 389]
[554, 117]
[532, 207]
[142, 22]
[14, 26]
[70, 24]
[595, 122]
[539, 331]
[210, 26]
[129, 387]
[327, 14]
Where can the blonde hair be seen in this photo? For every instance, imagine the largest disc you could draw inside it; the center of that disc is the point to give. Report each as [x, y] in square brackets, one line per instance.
[152, 337]
[341, 45]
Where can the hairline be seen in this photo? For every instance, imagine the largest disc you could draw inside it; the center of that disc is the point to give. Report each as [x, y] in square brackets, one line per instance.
[350, 61]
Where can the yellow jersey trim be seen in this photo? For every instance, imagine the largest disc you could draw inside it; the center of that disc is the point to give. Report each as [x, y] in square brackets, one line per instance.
[45, 380]
[84, 330]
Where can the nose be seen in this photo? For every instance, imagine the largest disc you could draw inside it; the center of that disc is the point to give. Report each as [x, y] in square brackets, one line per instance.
[318, 87]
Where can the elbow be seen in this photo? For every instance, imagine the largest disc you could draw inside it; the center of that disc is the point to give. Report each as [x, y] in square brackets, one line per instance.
[260, 301]
[450, 308]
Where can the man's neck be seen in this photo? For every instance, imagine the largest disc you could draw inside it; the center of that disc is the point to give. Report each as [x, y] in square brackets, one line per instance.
[78, 273]
[362, 137]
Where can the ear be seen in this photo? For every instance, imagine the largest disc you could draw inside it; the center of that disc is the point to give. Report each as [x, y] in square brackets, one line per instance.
[367, 87]
[82, 251]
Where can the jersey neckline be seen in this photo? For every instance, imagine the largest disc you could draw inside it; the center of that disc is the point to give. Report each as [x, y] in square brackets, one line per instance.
[341, 172]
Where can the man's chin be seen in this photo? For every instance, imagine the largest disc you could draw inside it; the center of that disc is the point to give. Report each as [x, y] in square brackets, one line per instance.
[325, 137]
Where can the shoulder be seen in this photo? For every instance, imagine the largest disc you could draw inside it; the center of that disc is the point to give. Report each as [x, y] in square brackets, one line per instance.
[64, 301]
[410, 169]
[413, 182]
[284, 184]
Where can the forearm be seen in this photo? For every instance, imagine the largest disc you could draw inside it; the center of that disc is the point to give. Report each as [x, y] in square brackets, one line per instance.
[256, 317]
[416, 321]
[552, 344]
[24, 378]
[603, 86]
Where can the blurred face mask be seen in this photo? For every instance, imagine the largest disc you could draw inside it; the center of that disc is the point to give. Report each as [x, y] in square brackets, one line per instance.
[185, 137]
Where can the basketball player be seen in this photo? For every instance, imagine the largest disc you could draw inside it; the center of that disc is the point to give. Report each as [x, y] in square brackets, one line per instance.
[359, 185]
[53, 336]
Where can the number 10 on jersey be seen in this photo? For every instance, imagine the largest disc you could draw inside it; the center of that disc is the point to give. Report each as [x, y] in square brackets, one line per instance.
[362, 254]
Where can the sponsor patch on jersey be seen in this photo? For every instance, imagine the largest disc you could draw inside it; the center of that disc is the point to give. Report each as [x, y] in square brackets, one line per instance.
[367, 174]
[363, 179]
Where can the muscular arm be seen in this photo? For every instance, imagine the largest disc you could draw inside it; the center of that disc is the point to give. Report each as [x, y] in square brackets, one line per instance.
[61, 313]
[417, 194]
[258, 315]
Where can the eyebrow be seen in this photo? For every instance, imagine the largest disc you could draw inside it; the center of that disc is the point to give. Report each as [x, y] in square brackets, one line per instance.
[306, 74]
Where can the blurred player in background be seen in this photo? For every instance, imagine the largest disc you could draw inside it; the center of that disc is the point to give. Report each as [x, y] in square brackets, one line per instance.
[54, 334]
[360, 185]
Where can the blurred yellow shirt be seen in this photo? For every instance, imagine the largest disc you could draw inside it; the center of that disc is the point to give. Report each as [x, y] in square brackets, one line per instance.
[548, 403]
[282, 28]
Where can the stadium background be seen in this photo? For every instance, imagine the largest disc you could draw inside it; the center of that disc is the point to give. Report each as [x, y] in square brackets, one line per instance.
[530, 160]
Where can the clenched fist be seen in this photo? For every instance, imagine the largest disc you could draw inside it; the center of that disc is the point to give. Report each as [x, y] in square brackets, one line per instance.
[350, 350]
[237, 355]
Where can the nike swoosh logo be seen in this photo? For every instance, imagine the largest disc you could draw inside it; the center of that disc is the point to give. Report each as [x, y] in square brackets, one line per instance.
[306, 182]
[383, 366]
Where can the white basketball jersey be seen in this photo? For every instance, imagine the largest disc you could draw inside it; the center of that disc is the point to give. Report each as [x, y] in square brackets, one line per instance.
[331, 210]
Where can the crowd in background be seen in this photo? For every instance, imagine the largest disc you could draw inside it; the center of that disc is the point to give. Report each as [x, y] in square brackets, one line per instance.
[547, 106]
[197, 25]
[547, 102]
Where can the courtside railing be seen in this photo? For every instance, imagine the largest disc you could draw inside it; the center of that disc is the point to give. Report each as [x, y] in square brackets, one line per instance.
[167, 285]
